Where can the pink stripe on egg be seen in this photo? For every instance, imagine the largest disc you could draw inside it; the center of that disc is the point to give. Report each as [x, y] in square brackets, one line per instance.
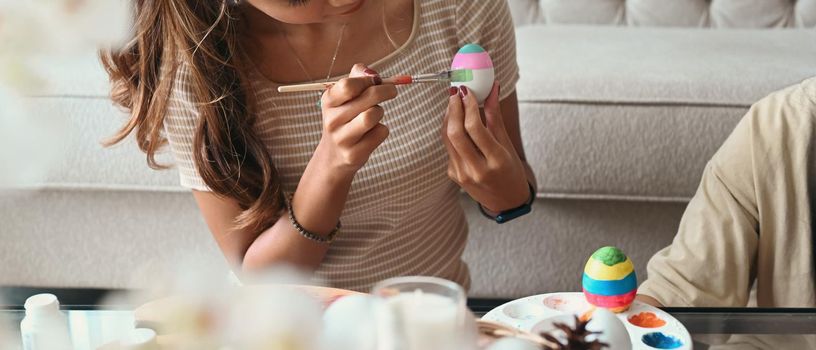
[479, 60]
[613, 301]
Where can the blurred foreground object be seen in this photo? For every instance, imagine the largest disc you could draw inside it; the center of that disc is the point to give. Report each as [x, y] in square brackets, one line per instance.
[425, 313]
[35, 34]
[45, 327]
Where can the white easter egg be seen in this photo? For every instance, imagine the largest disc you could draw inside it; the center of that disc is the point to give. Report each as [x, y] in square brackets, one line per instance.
[513, 344]
[350, 323]
[613, 332]
[474, 58]
[270, 318]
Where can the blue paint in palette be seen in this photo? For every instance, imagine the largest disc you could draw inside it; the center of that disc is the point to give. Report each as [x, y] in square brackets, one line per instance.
[661, 341]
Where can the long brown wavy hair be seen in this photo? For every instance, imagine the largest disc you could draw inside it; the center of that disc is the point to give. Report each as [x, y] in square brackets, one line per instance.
[204, 36]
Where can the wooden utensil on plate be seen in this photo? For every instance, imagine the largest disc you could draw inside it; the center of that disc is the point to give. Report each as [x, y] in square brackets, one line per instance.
[498, 330]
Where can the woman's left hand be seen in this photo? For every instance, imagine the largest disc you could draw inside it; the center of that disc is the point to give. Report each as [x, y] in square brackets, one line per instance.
[483, 160]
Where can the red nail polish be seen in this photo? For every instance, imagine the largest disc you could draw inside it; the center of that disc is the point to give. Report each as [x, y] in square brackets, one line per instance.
[463, 91]
[377, 80]
[370, 71]
[453, 90]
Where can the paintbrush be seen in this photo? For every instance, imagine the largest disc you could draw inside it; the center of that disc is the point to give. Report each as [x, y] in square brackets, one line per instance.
[497, 330]
[456, 75]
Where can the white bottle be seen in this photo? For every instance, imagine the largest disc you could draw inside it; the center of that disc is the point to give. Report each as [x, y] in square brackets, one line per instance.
[44, 326]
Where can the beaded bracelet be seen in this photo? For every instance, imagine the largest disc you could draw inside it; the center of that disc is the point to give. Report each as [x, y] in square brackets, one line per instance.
[306, 233]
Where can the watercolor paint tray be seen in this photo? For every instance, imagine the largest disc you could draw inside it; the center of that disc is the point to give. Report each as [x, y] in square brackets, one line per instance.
[648, 326]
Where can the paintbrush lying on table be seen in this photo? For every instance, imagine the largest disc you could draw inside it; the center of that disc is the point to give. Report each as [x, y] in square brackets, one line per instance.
[456, 76]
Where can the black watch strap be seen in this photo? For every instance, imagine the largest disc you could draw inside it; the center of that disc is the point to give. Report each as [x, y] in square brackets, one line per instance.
[511, 214]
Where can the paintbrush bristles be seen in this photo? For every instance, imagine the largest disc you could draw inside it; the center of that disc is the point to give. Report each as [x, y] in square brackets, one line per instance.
[456, 76]
[461, 75]
[431, 77]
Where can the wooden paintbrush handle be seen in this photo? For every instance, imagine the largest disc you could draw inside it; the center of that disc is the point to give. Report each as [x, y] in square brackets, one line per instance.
[305, 87]
[395, 80]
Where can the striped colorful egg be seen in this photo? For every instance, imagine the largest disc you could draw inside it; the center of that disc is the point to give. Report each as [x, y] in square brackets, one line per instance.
[475, 58]
[609, 280]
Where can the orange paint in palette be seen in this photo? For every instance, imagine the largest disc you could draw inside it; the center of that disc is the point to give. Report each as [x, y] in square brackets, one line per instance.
[647, 320]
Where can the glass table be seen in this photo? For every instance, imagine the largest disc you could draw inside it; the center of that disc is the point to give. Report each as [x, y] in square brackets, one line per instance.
[747, 328]
[711, 328]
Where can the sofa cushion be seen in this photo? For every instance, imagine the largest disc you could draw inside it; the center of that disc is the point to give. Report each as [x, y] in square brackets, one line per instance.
[618, 113]
[668, 13]
[131, 239]
[82, 161]
[78, 92]
[628, 113]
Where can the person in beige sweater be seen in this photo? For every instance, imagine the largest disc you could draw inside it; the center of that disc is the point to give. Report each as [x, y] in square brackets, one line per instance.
[751, 220]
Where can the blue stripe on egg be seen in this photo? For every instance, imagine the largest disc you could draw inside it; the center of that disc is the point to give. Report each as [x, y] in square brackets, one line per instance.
[609, 288]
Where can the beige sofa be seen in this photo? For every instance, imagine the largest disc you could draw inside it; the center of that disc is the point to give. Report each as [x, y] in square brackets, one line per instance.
[622, 103]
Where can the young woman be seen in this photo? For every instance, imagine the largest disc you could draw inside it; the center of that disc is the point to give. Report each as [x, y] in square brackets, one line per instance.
[354, 183]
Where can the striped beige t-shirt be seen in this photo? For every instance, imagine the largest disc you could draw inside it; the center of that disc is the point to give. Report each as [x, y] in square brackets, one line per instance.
[402, 216]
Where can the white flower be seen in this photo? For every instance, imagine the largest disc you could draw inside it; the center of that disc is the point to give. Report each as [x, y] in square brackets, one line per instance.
[271, 317]
[18, 74]
[59, 30]
[24, 163]
[62, 26]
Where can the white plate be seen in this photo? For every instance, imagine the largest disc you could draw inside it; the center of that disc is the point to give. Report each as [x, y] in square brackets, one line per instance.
[526, 313]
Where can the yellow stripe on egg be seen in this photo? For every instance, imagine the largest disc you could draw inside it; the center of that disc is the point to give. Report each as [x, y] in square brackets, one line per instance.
[597, 270]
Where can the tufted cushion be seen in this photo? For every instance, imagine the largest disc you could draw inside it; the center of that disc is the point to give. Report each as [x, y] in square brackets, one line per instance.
[629, 113]
[669, 13]
[761, 13]
[583, 11]
[805, 14]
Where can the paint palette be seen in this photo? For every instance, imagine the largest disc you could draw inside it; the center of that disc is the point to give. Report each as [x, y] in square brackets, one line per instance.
[648, 326]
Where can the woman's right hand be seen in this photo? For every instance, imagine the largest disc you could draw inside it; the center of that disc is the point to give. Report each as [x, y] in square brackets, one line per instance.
[351, 119]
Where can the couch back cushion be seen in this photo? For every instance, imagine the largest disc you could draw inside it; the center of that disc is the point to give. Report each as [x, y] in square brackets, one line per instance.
[668, 13]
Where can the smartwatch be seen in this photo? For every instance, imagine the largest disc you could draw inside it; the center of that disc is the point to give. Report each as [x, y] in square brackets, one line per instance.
[511, 214]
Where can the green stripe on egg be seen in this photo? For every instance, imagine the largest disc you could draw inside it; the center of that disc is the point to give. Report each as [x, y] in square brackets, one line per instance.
[609, 256]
